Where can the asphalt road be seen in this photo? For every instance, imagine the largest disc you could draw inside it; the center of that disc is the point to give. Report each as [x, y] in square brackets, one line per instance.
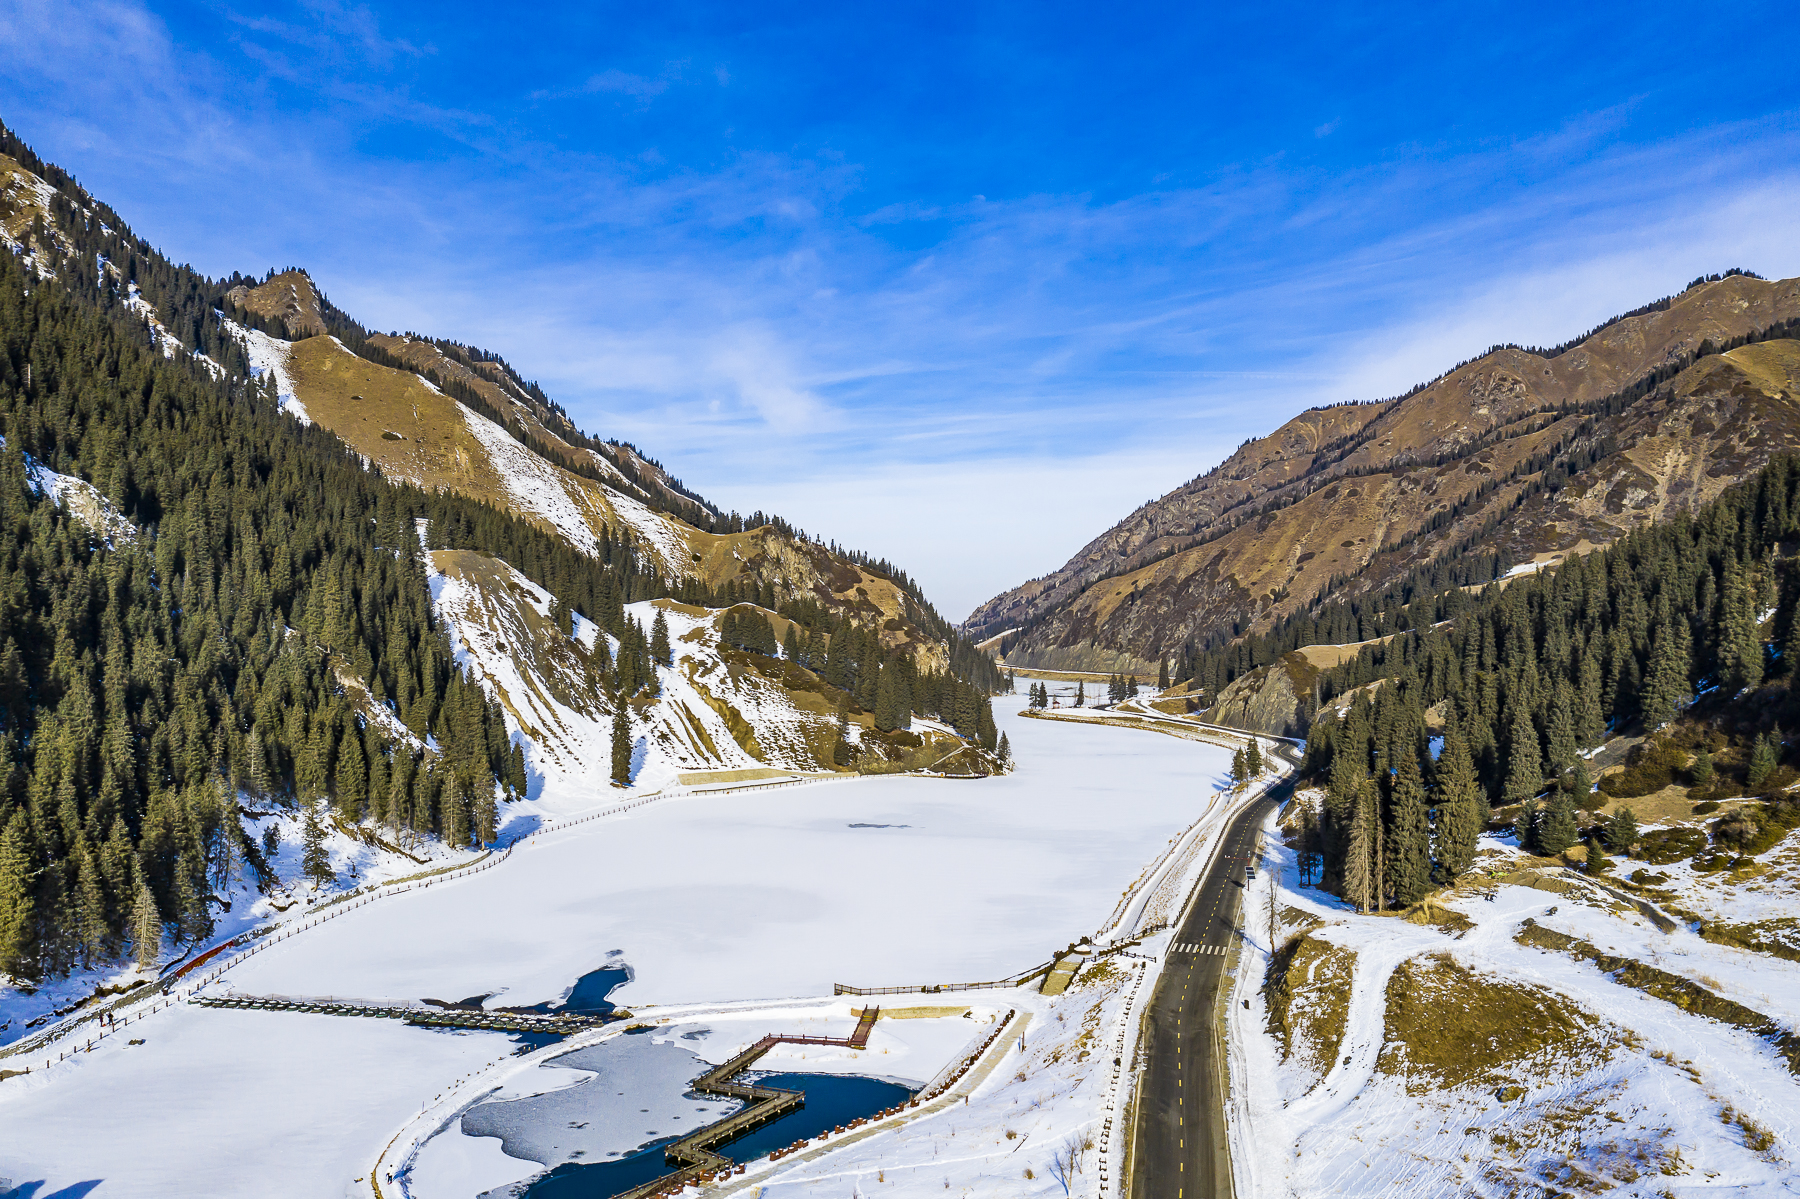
[1181, 1145]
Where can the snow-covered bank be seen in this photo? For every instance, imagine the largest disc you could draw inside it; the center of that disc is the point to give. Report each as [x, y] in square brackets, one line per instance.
[1466, 1062]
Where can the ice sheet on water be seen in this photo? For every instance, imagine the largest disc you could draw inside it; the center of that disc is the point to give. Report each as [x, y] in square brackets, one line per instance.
[636, 1092]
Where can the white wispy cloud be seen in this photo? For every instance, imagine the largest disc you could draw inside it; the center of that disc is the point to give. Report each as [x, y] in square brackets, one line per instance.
[1018, 372]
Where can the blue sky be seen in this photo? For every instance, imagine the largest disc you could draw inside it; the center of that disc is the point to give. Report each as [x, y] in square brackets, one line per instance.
[960, 285]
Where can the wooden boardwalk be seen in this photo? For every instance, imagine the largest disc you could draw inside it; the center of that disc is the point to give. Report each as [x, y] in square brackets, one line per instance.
[694, 1156]
[430, 1017]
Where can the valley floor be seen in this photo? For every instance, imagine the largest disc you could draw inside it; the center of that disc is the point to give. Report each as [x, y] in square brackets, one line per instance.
[708, 899]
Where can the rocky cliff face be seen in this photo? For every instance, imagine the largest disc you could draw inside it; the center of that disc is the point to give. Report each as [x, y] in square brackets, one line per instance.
[1513, 448]
[1277, 698]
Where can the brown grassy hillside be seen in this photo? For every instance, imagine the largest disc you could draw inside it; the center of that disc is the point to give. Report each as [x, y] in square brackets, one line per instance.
[412, 430]
[1341, 498]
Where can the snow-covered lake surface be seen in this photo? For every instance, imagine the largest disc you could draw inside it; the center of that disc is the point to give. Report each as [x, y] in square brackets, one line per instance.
[715, 898]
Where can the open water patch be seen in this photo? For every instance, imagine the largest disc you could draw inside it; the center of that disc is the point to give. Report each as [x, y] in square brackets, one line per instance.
[588, 997]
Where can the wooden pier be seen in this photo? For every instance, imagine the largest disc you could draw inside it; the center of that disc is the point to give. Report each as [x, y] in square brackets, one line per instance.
[429, 1017]
[694, 1156]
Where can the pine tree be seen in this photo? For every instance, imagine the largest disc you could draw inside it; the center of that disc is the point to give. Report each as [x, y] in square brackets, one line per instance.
[1740, 645]
[659, 640]
[457, 815]
[1162, 675]
[1562, 747]
[1525, 826]
[91, 930]
[1359, 875]
[1590, 722]
[1596, 855]
[1409, 836]
[314, 862]
[1622, 830]
[1577, 783]
[1462, 808]
[1004, 753]
[1763, 759]
[1253, 759]
[1667, 686]
[146, 928]
[1702, 769]
[1240, 767]
[886, 715]
[1524, 760]
[1081, 693]
[1557, 831]
[621, 747]
[18, 923]
[486, 816]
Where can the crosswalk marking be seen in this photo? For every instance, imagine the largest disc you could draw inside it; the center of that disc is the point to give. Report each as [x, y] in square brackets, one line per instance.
[1188, 947]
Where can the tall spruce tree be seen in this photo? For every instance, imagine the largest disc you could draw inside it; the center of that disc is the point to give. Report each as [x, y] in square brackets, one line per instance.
[1740, 646]
[1359, 861]
[487, 816]
[621, 746]
[1524, 759]
[1667, 685]
[1462, 808]
[146, 928]
[1557, 831]
[659, 639]
[887, 717]
[1764, 757]
[1622, 830]
[1409, 834]
[314, 862]
[18, 918]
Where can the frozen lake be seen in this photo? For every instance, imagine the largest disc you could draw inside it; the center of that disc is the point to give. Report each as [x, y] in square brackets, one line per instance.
[761, 894]
[780, 893]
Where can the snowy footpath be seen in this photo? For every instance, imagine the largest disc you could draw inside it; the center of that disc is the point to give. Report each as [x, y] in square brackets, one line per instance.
[750, 902]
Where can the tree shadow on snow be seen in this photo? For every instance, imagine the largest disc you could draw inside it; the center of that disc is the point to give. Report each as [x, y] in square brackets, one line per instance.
[29, 1190]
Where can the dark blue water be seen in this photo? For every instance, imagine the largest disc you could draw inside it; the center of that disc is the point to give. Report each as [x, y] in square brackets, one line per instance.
[588, 996]
[591, 989]
[831, 1100]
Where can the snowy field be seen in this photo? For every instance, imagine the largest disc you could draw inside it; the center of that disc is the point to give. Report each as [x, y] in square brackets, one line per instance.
[758, 895]
[1642, 1099]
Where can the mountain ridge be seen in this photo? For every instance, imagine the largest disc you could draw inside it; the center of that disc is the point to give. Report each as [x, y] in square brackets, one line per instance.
[1307, 511]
